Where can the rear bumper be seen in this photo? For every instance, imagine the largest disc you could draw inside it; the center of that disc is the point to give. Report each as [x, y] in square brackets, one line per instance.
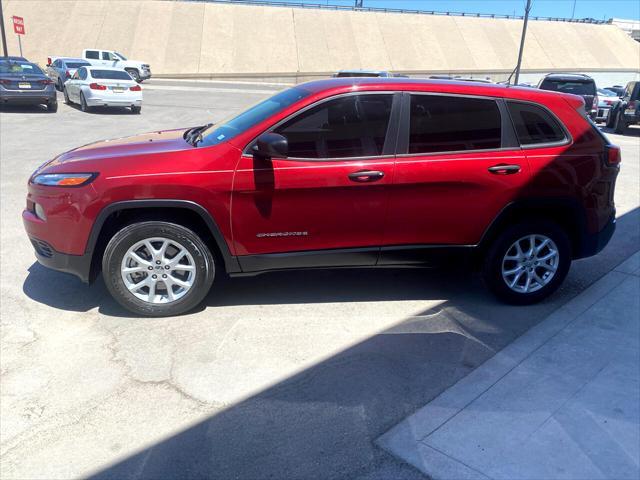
[28, 96]
[593, 243]
[78, 265]
[113, 100]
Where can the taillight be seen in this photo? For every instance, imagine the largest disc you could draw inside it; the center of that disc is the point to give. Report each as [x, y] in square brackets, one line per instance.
[594, 105]
[612, 155]
[46, 81]
[4, 81]
[67, 74]
[135, 88]
[97, 86]
[633, 104]
[48, 61]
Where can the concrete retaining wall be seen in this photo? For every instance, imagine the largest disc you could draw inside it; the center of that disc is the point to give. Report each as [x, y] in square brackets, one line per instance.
[204, 39]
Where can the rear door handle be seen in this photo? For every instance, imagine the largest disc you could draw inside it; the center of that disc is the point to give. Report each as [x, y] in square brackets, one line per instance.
[364, 176]
[503, 169]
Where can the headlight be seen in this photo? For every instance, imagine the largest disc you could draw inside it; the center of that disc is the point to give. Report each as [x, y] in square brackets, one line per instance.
[63, 179]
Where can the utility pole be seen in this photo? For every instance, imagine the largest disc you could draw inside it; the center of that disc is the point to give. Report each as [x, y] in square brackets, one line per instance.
[4, 37]
[527, 9]
[573, 12]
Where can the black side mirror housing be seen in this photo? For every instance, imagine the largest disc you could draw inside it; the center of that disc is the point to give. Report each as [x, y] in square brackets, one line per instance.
[271, 145]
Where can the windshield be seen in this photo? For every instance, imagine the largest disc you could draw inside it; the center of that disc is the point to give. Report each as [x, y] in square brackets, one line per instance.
[574, 87]
[122, 57]
[227, 129]
[76, 64]
[19, 68]
[110, 74]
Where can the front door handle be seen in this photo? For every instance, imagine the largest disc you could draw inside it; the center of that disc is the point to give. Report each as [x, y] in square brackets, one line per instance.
[503, 169]
[364, 176]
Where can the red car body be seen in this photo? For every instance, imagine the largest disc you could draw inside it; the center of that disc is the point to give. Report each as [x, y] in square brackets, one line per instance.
[287, 213]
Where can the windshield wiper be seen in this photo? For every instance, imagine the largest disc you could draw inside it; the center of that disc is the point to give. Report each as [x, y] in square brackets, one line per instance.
[194, 135]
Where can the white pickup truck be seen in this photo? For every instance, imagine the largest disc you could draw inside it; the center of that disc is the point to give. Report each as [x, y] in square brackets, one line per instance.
[109, 58]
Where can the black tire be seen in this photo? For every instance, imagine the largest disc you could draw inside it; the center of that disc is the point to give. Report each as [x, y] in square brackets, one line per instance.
[66, 96]
[83, 104]
[60, 85]
[619, 126]
[612, 114]
[136, 110]
[129, 236]
[134, 74]
[492, 268]
[52, 106]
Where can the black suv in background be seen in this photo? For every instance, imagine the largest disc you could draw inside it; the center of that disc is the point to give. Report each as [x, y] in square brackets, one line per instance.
[627, 111]
[575, 83]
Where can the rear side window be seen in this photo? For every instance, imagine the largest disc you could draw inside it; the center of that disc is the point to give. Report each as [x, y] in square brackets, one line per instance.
[351, 126]
[92, 54]
[82, 73]
[534, 124]
[441, 123]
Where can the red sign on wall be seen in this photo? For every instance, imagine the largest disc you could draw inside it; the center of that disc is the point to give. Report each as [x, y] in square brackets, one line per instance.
[18, 25]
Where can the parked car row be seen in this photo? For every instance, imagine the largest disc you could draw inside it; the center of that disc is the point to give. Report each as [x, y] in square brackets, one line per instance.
[109, 80]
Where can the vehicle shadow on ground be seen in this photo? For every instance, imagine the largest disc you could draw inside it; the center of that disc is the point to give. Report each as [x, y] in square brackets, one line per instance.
[322, 423]
[66, 292]
[103, 110]
[24, 109]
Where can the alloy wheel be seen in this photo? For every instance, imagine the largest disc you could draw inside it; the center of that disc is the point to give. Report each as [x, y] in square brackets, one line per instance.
[530, 263]
[158, 270]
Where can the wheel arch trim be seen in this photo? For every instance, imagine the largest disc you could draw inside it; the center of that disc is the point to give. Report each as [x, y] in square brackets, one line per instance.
[230, 261]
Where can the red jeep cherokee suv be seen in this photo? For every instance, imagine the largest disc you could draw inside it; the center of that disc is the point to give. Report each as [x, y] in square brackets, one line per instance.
[343, 172]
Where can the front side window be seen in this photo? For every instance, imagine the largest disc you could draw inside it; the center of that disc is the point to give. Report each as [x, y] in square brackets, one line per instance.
[534, 124]
[345, 127]
[441, 123]
[106, 56]
[93, 54]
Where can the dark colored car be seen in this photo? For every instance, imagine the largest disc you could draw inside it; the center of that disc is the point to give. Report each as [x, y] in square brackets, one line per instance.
[363, 73]
[576, 84]
[62, 69]
[25, 83]
[627, 111]
[14, 58]
[343, 172]
[618, 89]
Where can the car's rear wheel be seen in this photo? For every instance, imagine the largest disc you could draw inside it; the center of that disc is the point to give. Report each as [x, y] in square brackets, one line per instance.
[135, 110]
[66, 96]
[83, 103]
[52, 106]
[60, 85]
[527, 262]
[157, 268]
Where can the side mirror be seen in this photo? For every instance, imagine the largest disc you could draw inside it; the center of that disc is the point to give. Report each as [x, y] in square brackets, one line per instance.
[271, 145]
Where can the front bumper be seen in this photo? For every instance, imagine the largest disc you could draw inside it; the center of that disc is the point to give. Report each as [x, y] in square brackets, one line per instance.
[145, 74]
[78, 265]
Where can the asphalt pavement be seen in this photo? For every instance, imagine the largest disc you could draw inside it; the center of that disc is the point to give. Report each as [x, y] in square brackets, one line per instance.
[283, 375]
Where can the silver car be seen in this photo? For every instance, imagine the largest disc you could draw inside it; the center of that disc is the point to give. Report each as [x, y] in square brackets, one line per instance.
[63, 68]
[606, 100]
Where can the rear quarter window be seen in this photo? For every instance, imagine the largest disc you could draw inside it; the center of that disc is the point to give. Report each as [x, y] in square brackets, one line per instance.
[535, 125]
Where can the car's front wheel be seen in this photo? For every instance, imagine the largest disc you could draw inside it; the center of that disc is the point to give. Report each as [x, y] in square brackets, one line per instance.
[134, 74]
[157, 268]
[527, 262]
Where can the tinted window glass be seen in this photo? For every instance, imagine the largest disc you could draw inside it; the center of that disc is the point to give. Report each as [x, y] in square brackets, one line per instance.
[229, 128]
[534, 124]
[110, 74]
[92, 54]
[19, 68]
[105, 56]
[446, 124]
[574, 87]
[82, 73]
[351, 126]
[76, 64]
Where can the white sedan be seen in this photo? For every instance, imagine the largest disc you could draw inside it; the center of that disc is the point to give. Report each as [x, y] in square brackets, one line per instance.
[103, 87]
